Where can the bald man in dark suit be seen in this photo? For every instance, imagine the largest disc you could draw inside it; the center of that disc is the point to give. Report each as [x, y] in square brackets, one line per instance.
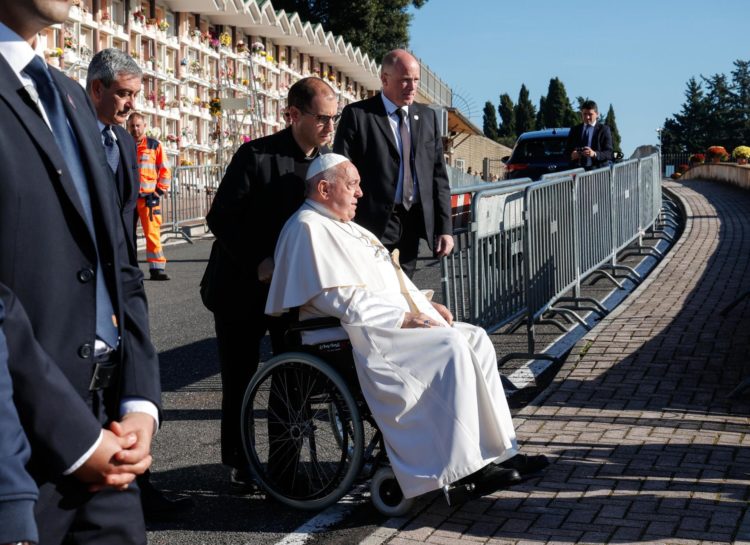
[395, 144]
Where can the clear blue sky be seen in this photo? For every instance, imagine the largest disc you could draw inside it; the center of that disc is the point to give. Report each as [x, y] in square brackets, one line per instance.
[636, 55]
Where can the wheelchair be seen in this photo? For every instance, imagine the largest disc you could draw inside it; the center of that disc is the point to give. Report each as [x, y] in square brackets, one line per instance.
[307, 431]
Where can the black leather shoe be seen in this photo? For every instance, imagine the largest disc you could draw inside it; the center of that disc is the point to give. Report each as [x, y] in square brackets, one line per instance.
[241, 482]
[158, 274]
[526, 464]
[157, 506]
[491, 478]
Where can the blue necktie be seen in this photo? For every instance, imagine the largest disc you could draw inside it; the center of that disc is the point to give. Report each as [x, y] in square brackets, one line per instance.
[587, 142]
[66, 141]
[111, 150]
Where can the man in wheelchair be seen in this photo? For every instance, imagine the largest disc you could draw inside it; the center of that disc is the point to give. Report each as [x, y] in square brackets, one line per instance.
[431, 384]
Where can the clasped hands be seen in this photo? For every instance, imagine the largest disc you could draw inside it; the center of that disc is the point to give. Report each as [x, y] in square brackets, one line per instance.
[123, 453]
[414, 320]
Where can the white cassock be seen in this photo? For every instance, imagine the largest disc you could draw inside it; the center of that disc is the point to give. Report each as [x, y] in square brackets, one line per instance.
[435, 393]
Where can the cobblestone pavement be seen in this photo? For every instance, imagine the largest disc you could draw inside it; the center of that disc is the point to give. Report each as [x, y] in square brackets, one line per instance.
[644, 443]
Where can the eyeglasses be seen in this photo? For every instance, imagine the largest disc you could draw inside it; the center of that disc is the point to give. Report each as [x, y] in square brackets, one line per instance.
[324, 119]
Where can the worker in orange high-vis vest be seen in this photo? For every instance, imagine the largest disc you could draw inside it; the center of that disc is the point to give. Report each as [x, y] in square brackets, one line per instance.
[155, 180]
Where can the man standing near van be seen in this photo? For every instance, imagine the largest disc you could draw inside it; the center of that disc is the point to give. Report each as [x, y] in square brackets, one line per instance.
[589, 144]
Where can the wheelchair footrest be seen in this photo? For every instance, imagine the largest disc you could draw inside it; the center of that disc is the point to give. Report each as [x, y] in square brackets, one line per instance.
[456, 494]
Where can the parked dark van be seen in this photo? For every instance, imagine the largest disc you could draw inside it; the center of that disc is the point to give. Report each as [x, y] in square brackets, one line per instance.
[537, 153]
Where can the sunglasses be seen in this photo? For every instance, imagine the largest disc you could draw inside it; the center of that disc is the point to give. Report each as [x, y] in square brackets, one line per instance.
[324, 119]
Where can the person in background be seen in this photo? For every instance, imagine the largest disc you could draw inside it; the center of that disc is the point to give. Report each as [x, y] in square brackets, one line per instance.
[155, 179]
[113, 81]
[395, 144]
[589, 144]
[262, 187]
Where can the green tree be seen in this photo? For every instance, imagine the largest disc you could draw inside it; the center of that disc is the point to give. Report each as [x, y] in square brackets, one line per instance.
[670, 137]
[610, 120]
[540, 114]
[687, 131]
[524, 114]
[556, 109]
[507, 126]
[375, 26]
[722, 119]
[489, 121]
[741, 99]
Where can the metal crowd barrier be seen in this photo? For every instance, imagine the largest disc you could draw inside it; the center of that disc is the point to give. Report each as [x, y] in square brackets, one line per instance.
[528, 244]
[190, 198]
[475, 290]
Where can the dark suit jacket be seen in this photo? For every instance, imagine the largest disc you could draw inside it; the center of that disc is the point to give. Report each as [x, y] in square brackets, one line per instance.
[601, 143]
[365, 136]
[258, 193]
[47, 255]
[128, 184]
[18, 492]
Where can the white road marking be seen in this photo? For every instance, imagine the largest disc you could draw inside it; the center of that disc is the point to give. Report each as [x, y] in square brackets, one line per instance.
[328, 518]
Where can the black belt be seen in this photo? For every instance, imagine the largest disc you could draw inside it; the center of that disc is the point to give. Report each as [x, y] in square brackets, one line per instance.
[103, 376]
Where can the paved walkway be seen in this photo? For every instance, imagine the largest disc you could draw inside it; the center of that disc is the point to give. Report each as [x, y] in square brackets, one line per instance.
[645, 446]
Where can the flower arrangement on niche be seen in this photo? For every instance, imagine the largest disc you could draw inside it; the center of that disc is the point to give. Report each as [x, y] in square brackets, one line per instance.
[717, 153]
[196, 68]
[68, 40]
[225, 39]
[105, 17]
[214, 107]
[163, 25]
[258, 48]
[139, 17]
[241, 47]
[741, 154]
[54, 53]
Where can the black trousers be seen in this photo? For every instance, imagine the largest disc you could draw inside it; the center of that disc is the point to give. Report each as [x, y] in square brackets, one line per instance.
[238, 337]
[404, 230]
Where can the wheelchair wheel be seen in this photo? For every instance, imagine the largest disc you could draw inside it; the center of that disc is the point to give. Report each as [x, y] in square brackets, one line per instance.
[302, 432]
[386, 494]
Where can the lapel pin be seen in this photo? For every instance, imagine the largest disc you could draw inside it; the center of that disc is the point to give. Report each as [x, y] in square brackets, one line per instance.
[416, 118]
